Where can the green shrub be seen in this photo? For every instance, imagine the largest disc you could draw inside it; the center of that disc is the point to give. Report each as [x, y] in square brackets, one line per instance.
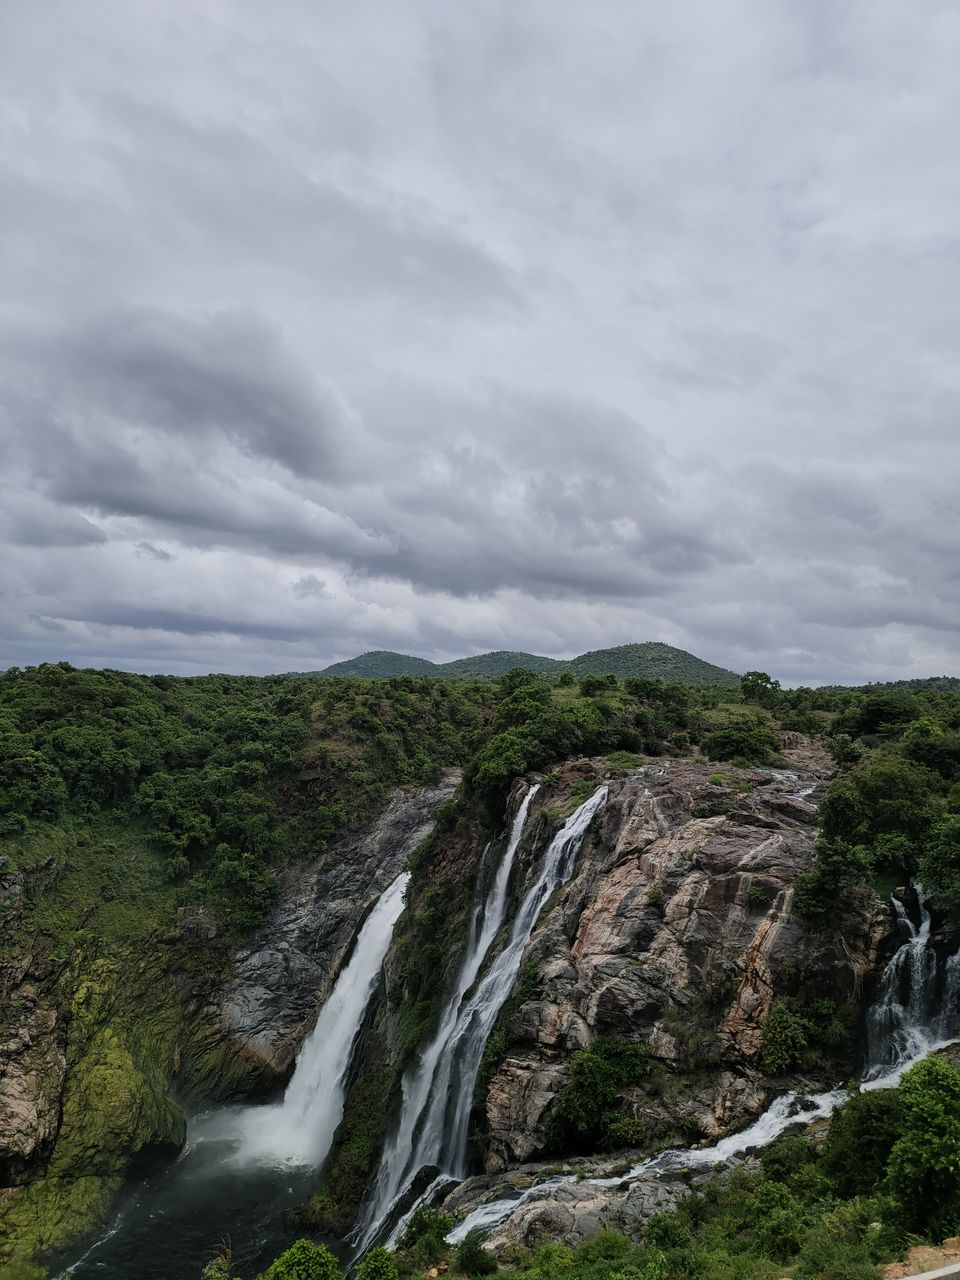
[782, 1160]
[666, 1231]
[593, 686]
[425, 1234]
[472, 1258]
[586, 1104]
[742, 743]
[846, 751]
[304, 1260]
[785, 1036]
[824, 1257]
[378, 1264]
[550, 1261]
[940, 867]
[923, 1171]
[624, 760]
[861, 1136]
[219, 1268]
[758, 895]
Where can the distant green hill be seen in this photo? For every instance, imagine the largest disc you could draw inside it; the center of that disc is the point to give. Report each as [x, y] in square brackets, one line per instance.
[499, 663]
[380, 662]
[655, 661]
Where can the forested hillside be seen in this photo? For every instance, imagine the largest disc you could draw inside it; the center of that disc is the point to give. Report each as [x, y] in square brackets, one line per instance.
[651, 660]
[153, 791]
[894, 813]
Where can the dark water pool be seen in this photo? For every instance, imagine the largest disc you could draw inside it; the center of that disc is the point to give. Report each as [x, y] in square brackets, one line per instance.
[171, 1225]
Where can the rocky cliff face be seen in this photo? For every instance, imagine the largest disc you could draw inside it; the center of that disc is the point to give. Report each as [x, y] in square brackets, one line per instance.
[99, 1048]
[679, 931]
[280, 982]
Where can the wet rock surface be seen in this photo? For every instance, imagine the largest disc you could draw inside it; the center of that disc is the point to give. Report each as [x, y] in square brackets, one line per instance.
[679, 930]
[280, 982]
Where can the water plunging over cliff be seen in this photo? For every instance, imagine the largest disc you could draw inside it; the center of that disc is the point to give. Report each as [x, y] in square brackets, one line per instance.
[301, 1127]
[917, 1010]
[438, 1089]
[916, 1004]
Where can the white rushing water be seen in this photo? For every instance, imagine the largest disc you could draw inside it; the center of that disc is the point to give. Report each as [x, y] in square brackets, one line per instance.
[915, 1013]
[300, 1128]
[438, 1089]
[915, 1008]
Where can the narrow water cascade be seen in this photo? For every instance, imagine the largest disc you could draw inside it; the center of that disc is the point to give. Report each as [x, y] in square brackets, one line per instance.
[915, 1012]
[418, 1080]
[301, 1127]
[916, 1003]
[438, 1089]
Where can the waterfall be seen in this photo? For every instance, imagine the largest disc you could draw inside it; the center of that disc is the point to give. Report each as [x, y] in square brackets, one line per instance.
[438, 1090]
[917, 1010]
[301, 1127]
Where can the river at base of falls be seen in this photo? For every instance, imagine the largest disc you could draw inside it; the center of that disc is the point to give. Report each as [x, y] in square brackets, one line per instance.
[170, 1226]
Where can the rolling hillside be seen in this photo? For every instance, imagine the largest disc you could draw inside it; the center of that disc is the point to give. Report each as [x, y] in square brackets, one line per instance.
[653, 660]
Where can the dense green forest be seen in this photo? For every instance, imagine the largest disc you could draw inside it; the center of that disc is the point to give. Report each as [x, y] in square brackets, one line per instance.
[180, 790]
[154, 791]
[650, 660]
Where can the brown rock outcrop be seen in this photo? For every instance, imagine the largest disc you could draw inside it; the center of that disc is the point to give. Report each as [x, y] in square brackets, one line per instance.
[678, 929]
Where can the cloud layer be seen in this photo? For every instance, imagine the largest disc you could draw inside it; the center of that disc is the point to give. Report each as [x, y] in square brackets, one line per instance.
[448, 328]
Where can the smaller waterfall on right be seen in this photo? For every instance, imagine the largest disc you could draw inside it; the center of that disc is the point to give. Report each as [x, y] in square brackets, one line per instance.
[915, 1008]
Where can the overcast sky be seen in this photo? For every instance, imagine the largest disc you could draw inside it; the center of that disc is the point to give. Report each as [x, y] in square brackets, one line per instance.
[447, 327]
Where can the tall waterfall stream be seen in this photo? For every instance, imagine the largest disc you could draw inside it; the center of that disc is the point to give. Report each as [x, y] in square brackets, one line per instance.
[438, 1089]
[263, 1159]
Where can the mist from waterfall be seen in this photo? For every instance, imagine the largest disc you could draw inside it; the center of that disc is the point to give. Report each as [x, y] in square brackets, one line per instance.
[438, 1089]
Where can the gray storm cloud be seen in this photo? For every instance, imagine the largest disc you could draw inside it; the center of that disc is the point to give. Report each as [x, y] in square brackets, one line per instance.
[512, 327]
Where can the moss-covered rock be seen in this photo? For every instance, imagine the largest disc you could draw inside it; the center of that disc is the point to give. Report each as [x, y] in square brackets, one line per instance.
[130, 1042]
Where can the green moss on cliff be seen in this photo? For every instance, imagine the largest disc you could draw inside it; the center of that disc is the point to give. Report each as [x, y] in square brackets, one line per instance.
[132, 1034]
[355, 1153]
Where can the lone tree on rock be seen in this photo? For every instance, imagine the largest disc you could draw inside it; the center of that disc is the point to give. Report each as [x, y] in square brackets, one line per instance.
[756, 686]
